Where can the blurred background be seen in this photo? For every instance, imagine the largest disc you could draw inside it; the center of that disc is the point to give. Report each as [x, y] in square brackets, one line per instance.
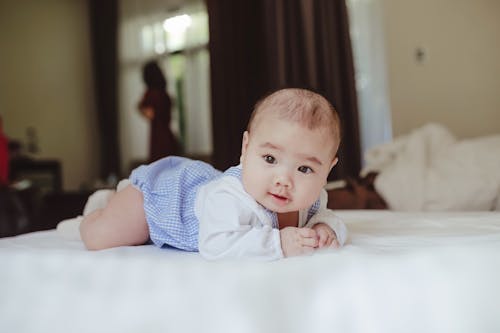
[70, 81]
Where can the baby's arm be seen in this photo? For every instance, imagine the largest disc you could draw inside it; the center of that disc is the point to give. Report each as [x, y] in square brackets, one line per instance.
[228, 231]
[330, 229]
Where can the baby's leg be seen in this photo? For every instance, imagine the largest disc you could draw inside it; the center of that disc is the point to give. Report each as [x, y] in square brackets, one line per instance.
[121, 222]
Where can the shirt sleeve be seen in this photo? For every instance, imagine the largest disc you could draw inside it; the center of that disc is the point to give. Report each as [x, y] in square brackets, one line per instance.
[327, 216]
[230, 228]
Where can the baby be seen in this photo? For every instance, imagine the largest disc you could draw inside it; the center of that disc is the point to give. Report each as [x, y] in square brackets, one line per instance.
[271, 205]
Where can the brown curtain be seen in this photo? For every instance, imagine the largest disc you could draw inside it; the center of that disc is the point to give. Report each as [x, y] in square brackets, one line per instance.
[104, 25]
[260, 45]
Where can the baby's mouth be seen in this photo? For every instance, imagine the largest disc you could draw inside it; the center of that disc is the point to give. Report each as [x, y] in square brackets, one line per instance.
[279, 198]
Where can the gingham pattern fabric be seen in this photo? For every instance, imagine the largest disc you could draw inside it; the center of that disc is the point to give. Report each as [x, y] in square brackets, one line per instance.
[236, 172]
[169, 188]
[313, 209]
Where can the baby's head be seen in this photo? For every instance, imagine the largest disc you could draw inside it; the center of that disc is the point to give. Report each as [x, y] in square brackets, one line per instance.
[300, 106]
[289, 149]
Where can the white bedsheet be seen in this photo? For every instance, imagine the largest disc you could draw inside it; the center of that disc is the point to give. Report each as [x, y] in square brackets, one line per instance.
[400, 272]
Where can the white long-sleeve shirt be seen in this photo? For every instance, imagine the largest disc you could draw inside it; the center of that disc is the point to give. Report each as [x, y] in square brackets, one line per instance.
[233, 224]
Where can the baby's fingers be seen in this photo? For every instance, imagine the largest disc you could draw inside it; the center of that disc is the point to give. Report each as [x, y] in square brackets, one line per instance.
[324, 238]
[308, 237]
[335, 243]
[307, 232]
[309, 242]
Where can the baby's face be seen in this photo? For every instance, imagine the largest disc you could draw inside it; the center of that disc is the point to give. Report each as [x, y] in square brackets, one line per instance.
[285, 165]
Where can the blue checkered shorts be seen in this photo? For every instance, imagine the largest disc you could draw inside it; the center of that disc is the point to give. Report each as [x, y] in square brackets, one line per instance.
[169, 187]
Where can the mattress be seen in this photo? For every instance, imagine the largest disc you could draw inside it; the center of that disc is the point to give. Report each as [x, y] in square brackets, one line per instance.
[399, 272]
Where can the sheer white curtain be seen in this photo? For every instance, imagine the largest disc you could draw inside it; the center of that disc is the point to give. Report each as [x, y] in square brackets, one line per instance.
[367, 37]
[185, 61]
[134, 129]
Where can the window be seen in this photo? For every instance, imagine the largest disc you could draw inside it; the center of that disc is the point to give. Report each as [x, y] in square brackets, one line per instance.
[365, 17]
[179, 42]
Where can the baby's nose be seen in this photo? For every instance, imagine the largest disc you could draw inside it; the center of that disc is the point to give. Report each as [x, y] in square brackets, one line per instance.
[283, 178]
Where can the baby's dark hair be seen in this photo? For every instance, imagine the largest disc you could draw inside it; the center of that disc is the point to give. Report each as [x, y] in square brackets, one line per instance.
[299, 105]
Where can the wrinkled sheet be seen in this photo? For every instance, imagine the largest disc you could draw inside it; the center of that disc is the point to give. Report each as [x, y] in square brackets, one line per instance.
[399, 272]
[429, 169]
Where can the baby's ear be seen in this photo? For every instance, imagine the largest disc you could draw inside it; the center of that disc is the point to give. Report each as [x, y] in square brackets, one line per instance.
[244, 145]
[334, 163]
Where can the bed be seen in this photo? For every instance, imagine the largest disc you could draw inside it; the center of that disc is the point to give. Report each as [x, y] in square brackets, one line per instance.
[399, 272]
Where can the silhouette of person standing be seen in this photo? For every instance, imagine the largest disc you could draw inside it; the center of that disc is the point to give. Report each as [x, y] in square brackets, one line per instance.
[156, 106]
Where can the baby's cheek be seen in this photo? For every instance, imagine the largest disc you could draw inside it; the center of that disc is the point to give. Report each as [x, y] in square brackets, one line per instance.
[307, 202]
[314, 194]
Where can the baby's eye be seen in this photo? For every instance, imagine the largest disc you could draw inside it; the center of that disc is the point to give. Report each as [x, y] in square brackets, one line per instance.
[269, 159]
[305, 169]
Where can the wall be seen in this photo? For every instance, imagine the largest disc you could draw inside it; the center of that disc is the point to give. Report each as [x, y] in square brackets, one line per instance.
[458, 84]
[45, 73]
[46, 82]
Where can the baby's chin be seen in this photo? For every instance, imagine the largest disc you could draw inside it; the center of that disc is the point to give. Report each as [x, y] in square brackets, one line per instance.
[275, 208]
[281, 210]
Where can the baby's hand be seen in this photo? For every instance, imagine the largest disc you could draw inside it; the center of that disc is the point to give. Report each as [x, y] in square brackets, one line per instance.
[326, 236]
[298, 241]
